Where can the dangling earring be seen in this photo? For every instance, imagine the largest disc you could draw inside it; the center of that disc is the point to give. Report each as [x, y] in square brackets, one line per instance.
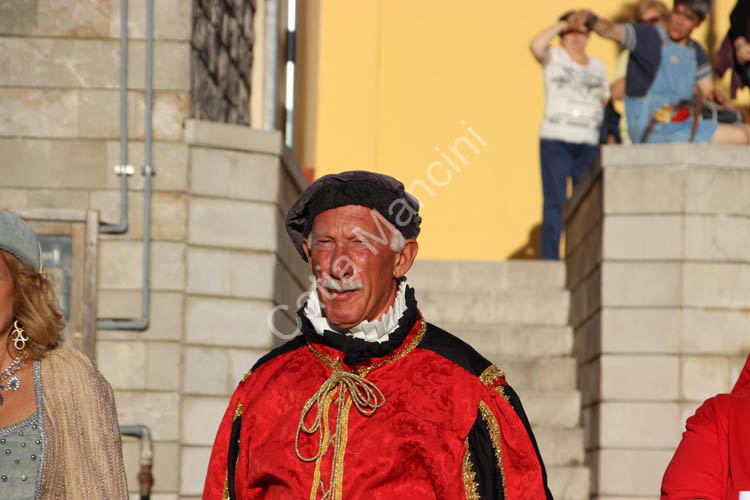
[19, 337]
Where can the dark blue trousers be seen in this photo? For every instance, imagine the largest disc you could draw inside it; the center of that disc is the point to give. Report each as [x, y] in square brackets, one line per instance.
[560, 160]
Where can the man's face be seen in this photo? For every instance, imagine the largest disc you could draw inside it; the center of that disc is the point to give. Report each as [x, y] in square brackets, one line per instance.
[355, 273]
[682, 22]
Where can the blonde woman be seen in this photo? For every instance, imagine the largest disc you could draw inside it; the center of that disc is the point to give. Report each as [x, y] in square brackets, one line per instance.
[59, 436]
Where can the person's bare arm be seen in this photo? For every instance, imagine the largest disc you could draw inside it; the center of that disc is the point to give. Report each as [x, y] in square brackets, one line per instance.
[706, 87]
[742, 50]
[617, 89]
[540, 43]
[605, 29]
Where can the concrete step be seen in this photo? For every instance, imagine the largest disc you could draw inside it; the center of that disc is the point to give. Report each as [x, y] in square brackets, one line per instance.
[569, 483]
[560, 446]
[482, 275]
[516, 314]
[540, 374]
[523, 306]
[524, 341]
[552, 408]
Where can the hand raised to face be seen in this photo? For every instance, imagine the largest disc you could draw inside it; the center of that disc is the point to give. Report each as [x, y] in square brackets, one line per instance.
[577, 20]
[743, 53]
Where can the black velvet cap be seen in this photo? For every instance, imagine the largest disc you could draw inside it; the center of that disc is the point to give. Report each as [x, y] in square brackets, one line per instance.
[357, 187]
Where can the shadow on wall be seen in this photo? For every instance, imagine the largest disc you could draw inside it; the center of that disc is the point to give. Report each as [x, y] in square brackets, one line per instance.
[532, 249]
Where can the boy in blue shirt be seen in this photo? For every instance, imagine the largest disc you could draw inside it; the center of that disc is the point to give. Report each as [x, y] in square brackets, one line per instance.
[665, 67]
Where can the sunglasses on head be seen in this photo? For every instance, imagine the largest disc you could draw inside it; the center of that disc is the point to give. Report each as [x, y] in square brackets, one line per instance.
[651, 20]
[568, 32]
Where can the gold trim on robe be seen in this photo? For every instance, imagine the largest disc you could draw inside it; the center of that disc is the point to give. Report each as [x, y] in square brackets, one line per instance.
[349, 388]
[469, 475]
[494, 429]
[488, 378]
[237, 414]
[490, 374]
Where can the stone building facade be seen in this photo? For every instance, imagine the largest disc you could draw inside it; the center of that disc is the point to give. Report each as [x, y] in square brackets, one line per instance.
[659, 271]
[222, 59]
[220, 258]
[657, 247]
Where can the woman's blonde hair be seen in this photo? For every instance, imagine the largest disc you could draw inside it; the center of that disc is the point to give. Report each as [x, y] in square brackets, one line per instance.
[653, 4]
[35, 307]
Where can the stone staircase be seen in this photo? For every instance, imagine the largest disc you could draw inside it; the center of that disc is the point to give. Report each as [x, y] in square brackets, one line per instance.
[516, 314]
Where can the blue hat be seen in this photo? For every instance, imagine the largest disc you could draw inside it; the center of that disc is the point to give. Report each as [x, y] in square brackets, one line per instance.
[18, 239]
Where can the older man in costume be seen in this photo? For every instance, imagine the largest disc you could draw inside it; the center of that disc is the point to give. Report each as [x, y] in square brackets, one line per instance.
[370, 401]
[713, 459]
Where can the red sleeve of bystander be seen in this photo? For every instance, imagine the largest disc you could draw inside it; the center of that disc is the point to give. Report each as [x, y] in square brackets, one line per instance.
[699, 466]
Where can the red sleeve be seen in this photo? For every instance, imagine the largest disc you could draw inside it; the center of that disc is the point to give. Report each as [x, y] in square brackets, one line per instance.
[523, 470]
[698, 468]
[216, 476]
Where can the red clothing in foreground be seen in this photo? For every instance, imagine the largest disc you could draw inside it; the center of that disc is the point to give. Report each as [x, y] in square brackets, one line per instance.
[449, 427]
[713, 459]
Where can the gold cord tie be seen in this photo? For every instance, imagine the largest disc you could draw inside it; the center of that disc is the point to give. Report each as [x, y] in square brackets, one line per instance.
[363, 394]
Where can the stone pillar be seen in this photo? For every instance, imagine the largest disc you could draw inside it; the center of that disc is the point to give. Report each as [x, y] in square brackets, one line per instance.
[658, 259]
[240, 264]
[59, 140]
[220, 258]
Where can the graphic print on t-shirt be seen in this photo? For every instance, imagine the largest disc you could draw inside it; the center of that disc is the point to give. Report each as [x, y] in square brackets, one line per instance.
[575, 95]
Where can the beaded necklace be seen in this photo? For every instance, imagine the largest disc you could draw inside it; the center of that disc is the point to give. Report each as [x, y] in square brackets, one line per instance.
[9, 374]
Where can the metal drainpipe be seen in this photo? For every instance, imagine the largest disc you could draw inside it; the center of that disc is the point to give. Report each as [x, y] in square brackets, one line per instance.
[271, 63]
[291, 65]
[123, 169]
[148, 171]
[145, 478]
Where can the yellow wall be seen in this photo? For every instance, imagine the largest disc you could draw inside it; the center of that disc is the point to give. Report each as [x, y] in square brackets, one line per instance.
[398, 77]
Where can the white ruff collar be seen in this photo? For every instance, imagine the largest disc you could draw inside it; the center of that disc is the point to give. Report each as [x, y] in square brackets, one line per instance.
[371, 331]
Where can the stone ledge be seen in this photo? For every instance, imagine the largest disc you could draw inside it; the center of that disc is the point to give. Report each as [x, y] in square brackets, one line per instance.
[714, 155]
[466, 276]
[639, 156]
[228, 136]
[241, 138]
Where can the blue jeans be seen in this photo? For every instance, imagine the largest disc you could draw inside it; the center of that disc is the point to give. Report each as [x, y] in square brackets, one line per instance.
[560, 160]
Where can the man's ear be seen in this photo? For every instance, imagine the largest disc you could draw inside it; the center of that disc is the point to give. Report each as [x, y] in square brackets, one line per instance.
[308, 255]
[405, 258]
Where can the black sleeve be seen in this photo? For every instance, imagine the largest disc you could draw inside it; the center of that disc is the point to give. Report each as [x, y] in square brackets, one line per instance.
[234, 454]
[484, 453]
[515, 402]
[481, 456]
[644, 43]
[704, 66]
[739, 20]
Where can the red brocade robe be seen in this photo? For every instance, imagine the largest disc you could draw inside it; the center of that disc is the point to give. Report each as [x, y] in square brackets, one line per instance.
[430, 420]
[713, 458]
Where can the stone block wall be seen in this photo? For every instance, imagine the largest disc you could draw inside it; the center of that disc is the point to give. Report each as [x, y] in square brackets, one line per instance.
[222, 59]
[221, 261]
[220, 257]
[240, 265]
[659, 271]
[59, 139]
[66, 73]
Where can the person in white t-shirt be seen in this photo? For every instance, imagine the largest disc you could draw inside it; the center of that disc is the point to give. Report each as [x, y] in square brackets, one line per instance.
[577, 88]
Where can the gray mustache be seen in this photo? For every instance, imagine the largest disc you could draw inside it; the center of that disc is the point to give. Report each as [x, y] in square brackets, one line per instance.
[338, 285]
